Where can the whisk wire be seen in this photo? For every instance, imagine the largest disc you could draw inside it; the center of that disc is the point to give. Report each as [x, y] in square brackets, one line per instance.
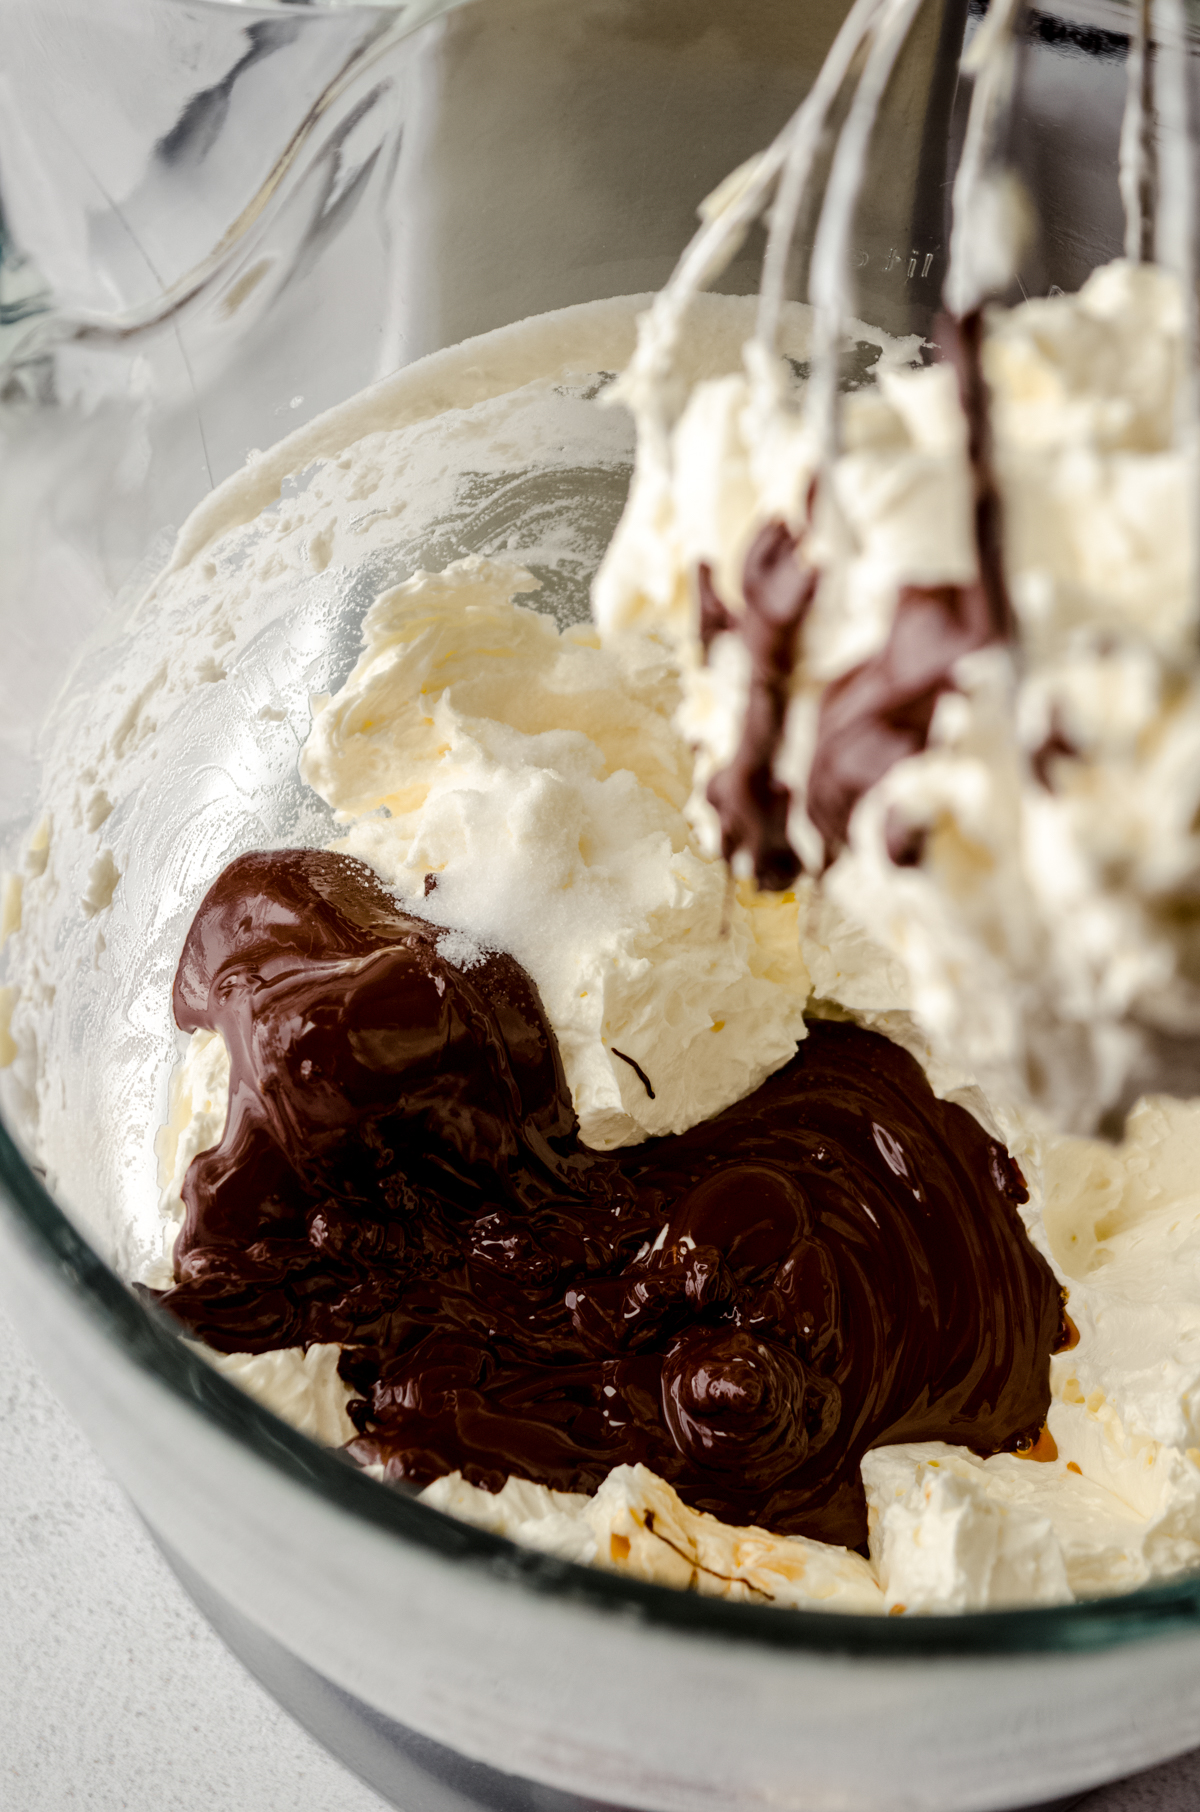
[1137, 153]
[977, 263]
[829, 275]
[805, 132]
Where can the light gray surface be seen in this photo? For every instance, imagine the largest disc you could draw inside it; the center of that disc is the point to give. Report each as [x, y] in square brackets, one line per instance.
[117, 1697]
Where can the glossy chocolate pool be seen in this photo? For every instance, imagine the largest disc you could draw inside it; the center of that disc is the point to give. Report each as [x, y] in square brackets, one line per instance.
[833, 1263]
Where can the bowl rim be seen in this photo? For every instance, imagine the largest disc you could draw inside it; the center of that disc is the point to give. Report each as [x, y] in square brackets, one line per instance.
[149, 1340]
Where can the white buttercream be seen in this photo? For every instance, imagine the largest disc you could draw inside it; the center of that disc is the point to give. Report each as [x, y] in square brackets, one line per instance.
[1038, 930]
[197, 1105]
[1123, 1224]
[541, 781]
[300, 1385]
[1036, 935]
[636, 1524]
[942, 1540]
[949, 1531]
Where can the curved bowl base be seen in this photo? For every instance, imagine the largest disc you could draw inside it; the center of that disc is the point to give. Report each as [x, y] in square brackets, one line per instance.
[409, 1771]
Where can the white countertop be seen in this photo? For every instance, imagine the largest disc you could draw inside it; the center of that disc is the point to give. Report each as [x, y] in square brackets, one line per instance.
[115, 1696]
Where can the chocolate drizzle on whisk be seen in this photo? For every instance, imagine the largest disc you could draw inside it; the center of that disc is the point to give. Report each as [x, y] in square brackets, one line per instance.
[750, 802]
[963, 343]
[880, 711]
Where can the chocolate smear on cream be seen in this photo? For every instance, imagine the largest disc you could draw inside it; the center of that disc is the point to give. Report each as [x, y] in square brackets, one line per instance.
[750, 802]
[881, 711]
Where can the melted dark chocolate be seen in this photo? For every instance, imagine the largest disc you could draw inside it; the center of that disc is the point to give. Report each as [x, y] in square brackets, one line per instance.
[751, 804]
[835, 1262]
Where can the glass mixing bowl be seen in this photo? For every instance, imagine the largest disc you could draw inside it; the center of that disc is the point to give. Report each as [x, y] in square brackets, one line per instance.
[220, 221]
